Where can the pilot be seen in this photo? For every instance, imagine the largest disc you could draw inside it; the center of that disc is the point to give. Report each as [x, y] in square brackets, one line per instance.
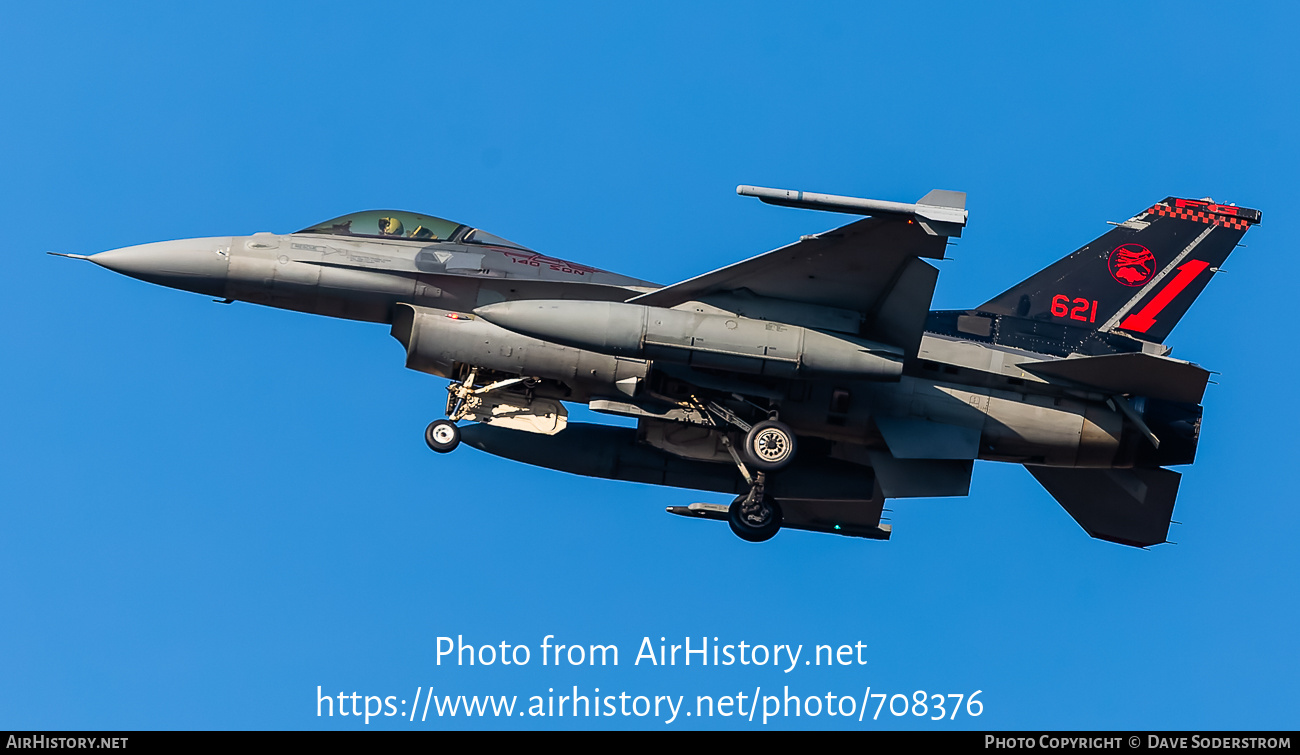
[390, 227]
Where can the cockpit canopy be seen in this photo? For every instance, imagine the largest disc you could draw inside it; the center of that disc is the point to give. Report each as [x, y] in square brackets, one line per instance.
[396, 224]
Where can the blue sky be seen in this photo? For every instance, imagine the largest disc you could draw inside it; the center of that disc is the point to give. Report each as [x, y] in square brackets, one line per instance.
[207, 512]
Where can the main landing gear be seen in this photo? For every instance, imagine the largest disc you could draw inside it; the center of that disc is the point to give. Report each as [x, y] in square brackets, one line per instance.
[755, 517]
[768, 446]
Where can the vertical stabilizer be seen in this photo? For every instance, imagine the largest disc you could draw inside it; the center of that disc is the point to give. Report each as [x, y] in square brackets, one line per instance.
[1140, 277]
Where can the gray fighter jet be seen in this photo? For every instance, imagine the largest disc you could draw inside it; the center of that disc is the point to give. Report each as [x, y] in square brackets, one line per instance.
[813, 382]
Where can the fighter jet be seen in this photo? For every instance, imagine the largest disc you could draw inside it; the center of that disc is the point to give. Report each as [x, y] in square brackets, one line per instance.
[812, 382]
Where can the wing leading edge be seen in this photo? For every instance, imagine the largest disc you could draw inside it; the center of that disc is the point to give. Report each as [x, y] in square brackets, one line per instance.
[873, 267]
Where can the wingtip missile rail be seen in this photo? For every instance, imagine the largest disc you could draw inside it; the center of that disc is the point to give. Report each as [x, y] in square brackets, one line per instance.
[941, 212]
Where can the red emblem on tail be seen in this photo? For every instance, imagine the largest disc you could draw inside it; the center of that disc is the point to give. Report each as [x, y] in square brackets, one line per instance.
[1132, 264]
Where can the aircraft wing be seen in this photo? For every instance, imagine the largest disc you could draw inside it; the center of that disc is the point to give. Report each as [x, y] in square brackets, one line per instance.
[873, 267]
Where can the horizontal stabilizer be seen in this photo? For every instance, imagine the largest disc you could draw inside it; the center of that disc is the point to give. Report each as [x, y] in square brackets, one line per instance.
[1125, 506]
[1137, 374]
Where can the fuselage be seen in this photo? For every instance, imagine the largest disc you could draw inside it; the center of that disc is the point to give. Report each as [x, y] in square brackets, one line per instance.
[812, 381]
[954, 383]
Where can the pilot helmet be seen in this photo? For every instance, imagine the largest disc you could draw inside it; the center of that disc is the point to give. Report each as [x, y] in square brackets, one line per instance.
[390, 227]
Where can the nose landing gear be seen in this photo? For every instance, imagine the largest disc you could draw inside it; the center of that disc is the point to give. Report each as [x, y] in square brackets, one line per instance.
[464, 400]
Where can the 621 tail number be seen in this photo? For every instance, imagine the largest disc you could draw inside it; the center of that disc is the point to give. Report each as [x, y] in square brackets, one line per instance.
[1083, 310]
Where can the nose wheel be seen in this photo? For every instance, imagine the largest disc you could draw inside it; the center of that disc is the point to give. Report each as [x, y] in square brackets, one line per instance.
[442, 436]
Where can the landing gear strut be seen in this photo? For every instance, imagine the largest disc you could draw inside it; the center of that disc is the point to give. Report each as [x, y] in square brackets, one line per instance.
[464, 400]
[755, 517]
[769, 445]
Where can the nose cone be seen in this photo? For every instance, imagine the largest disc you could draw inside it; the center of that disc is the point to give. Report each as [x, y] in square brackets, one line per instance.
[197, 265]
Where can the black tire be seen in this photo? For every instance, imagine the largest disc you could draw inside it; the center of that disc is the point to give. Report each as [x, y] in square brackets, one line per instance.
[757, 525]
[769, 445]
[442, 436]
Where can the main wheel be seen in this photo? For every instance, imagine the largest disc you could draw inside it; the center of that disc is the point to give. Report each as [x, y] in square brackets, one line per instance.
[756, 521]
[769, 445]
[442, 436]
